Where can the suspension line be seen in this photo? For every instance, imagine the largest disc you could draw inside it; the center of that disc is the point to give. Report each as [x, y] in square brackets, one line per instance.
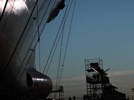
[67, 42]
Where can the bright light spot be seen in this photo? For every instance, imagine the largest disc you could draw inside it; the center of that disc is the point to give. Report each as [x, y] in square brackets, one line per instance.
[16, 7]
[39, 79]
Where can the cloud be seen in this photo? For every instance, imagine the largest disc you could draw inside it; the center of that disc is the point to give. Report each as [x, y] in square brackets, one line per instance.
[123, 80]
[121, 73]
[72, 80]
[75, 85]
[75, 78]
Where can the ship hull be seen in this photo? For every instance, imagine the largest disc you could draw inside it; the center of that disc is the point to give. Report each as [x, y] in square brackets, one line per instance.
[18, 37]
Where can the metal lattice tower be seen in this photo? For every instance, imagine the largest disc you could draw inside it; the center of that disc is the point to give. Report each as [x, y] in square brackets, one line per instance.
[96, 78]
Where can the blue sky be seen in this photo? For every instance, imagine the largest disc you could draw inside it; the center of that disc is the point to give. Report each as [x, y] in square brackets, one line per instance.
[105, 29]
[101, 29]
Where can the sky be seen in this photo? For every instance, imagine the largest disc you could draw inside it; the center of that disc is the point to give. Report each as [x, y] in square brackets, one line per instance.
[100, 29]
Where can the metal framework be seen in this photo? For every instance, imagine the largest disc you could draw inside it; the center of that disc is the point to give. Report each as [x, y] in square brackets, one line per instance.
[96, 78]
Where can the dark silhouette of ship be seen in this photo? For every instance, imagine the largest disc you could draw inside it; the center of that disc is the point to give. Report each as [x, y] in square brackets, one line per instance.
[20, 21]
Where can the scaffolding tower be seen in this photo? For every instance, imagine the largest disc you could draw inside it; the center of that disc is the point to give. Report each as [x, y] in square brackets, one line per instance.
[96, 78]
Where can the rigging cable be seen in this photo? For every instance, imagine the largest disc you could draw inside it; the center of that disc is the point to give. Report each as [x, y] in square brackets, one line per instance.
[31, 45]
[5, 68]
[7, 1]
[38, 30]
[54, 45]
[67, 41]
[44, 28]
[51, 49]
[62, 33]
[46, 22]
[33, 40]
[58, 69]
[26, 53]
